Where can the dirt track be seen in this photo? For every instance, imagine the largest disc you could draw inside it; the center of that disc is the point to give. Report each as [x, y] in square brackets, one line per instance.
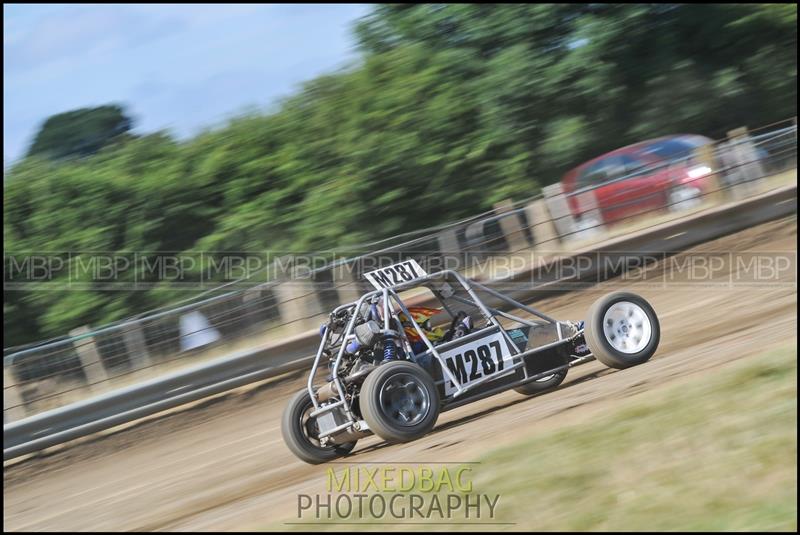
[224, 466]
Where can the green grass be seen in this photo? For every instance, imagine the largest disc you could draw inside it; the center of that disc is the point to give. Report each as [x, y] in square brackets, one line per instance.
[713, 453]
[718, 453]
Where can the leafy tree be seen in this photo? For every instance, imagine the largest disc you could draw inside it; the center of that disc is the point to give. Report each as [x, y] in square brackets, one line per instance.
[80, 133]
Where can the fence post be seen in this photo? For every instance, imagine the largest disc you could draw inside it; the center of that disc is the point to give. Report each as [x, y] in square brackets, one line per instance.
[253, 299]
[543, 228]
[591, 223]
[91, 363]
[13, 406]
[511, 227]
[136, 346]
[559, 210]
[746, 159]
[298, 304]
[347, 287]
[450, 248]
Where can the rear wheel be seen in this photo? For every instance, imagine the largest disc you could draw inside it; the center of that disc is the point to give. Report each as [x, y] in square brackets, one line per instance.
[545, 384]
[300, 432]
[399, 401]
[622, 330]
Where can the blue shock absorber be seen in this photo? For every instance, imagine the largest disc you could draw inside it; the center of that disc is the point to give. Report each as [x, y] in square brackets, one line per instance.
[389, 349]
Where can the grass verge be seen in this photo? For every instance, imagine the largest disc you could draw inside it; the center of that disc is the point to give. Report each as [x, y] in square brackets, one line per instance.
[712, 454]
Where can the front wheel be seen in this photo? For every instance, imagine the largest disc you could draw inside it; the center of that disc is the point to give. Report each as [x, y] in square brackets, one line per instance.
[399, 401]
[300, 432]
[622, 330]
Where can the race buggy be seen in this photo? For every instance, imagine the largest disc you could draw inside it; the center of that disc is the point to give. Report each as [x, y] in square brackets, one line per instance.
[394, 362]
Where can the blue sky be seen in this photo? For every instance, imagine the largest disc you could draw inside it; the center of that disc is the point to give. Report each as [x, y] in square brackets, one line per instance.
[180, 67]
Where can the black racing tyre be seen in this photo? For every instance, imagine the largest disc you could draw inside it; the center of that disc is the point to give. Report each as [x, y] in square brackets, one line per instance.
[299, 432]
[545, 384]
[399, 401]
[622, 330]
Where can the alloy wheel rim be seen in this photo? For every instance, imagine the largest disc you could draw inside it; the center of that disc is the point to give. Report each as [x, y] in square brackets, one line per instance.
[627, 327]
[404, 399]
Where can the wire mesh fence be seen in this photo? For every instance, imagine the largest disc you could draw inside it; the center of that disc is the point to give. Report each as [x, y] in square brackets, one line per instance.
[260, 309]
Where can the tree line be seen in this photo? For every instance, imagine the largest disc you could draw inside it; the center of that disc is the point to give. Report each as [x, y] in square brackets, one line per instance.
[449, 108]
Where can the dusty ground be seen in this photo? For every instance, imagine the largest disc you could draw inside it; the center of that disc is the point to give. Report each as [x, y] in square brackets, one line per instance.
[224, 466]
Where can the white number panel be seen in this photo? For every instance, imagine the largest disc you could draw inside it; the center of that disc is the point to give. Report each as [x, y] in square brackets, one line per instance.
[478, 359]
[399, 273]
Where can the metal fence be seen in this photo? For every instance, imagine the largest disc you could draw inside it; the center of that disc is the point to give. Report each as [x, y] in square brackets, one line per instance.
[247, 312]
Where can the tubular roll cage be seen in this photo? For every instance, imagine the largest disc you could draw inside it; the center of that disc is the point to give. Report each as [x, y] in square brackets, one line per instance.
[390, 293]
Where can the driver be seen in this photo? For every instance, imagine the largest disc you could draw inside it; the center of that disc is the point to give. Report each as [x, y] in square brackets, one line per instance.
[422, 316]
[461, 325]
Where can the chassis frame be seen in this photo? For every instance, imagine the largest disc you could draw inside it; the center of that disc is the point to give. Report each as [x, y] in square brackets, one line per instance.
[438, 284]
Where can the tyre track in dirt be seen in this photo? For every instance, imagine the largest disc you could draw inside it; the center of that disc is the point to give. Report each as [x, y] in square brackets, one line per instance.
[223, 465]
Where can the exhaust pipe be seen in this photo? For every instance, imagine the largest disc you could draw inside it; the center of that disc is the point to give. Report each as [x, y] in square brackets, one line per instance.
[326, 392]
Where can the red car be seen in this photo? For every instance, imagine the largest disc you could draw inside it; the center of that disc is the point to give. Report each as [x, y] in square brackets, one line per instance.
[650, 175]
